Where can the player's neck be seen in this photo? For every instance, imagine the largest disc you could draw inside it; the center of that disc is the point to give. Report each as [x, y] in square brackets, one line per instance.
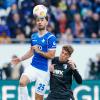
[42, 32]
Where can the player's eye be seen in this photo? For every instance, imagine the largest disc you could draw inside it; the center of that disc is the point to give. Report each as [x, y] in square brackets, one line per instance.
[42, 19]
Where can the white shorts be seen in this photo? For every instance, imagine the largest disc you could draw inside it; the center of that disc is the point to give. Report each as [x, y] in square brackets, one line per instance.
[40, 77]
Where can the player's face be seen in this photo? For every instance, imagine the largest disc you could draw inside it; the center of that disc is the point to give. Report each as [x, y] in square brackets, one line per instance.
[64, 55]
[41, 23]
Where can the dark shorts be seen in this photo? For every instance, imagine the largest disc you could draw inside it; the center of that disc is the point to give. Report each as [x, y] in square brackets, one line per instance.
[67, 98]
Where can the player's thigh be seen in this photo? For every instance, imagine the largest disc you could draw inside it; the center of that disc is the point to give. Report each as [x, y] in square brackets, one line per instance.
[28, 75]
[42, 82]
[38, 97]
[24, 80]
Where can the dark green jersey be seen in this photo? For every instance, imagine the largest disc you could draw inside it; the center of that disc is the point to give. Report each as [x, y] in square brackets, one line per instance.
[61, 80]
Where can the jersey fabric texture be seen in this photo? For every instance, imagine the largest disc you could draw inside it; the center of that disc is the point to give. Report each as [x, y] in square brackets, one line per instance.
[45, 43]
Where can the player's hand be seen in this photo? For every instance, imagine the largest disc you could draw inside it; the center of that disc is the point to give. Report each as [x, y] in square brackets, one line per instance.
[51, 67]
[72, 64]
[15, 61]
[36, 48]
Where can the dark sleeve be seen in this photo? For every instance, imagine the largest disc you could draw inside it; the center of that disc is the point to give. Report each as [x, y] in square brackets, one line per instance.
[77, 76]
[55, 60]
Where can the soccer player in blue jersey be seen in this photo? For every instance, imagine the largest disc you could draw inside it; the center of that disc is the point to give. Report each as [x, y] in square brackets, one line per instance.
[43, 45]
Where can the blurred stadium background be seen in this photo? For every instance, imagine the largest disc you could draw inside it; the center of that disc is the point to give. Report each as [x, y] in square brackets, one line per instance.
[75, 22]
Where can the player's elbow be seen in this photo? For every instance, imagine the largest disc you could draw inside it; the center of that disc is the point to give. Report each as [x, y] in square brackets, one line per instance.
[51, 55]
[79, 81]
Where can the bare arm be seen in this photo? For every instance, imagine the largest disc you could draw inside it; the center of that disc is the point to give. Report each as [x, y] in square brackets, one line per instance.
[50, 54]
[27, 55]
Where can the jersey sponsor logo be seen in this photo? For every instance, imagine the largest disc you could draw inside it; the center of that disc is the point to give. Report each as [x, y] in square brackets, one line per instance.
[40, 47]
[34, 40]
[65, 66]
[58, 73]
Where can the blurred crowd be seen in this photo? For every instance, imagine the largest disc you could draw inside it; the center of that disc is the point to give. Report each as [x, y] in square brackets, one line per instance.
[69, 19]
[94, 67]
[11, 71]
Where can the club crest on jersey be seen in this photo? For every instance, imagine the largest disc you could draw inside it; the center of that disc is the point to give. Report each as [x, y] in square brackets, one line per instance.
[43, 40]
[65, 66]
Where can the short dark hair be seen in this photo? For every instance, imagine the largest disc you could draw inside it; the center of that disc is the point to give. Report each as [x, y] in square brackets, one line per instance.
[68, 48]
[47, 18]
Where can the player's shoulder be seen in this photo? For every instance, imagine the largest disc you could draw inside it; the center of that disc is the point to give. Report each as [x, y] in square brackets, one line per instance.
[49, 34]
[55, 59]
[34, 35]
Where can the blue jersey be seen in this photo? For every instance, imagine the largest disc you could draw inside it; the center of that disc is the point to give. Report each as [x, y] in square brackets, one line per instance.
[45, 43]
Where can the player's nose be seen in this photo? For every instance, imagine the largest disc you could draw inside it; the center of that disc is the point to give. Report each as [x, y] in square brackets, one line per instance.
[63, 54]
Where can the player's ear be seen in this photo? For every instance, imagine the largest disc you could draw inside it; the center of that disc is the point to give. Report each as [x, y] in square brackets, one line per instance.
[46, 23]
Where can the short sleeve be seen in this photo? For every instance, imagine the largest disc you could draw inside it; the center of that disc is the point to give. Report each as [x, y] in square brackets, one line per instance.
[33, 36]
[52, 42]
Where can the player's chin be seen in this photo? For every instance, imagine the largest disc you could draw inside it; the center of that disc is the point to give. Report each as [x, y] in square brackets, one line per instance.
[62, 59]
[41, 28]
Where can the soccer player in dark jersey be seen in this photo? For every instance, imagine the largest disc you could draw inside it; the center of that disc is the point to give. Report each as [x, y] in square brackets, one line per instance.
[43, 45]
[63, 69]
